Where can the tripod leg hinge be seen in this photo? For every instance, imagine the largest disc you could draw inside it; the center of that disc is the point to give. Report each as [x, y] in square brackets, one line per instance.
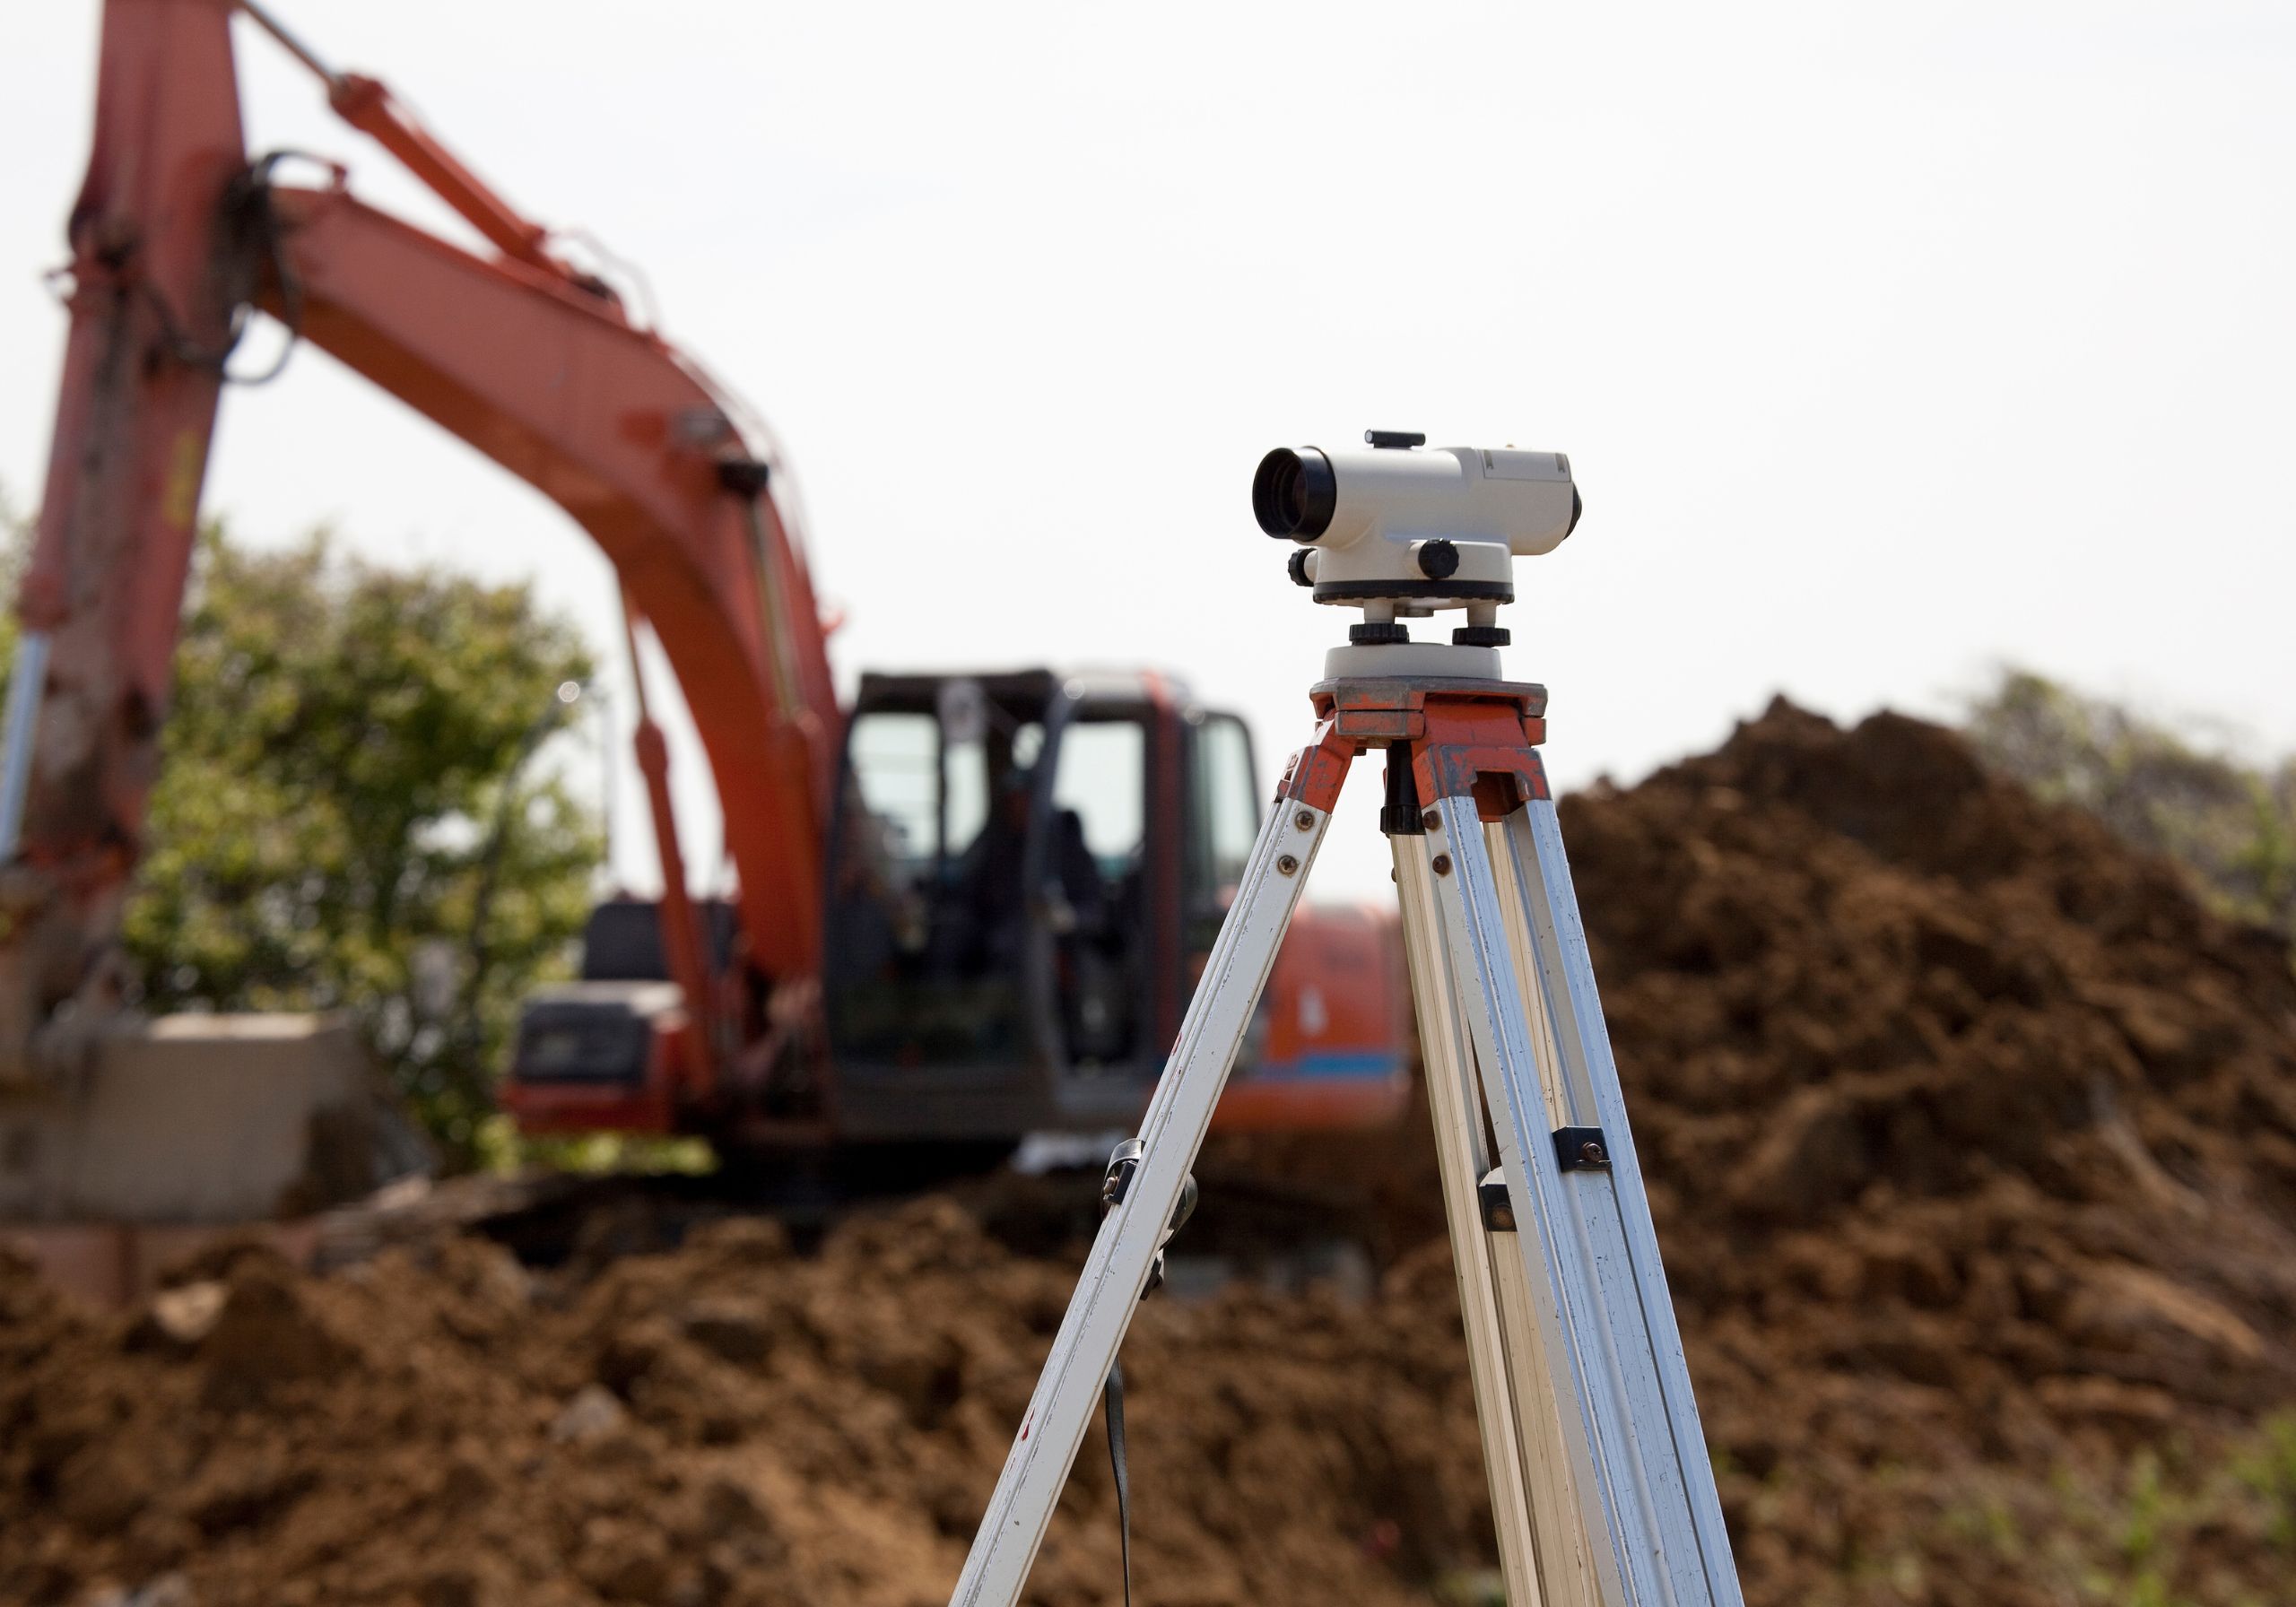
[1498, 1204]
[1581, 1150]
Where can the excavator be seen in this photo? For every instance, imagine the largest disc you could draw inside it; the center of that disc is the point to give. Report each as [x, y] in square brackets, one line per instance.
[970, 906]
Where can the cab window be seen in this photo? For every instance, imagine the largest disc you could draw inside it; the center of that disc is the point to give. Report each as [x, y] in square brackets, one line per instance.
[1093, 894]
[1103, 782]
[926, 906]
[897, 763]
[1226, 806]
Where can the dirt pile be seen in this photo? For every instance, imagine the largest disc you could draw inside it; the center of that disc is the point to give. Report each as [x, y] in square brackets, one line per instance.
[1976, 1134]
[1972, 1142]
[727, 1425]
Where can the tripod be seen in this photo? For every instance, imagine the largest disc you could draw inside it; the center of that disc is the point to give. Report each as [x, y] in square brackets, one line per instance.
[1602, 1493]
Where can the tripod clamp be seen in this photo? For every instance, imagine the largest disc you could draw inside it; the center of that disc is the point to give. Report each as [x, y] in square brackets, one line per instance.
[1124, 1162]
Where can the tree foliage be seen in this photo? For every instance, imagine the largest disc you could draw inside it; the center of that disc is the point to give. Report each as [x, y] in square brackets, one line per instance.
[2231, 825]
[333, 813]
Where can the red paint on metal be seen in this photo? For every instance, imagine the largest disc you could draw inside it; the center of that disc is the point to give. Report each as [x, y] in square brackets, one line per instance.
[482, 348]
[1472, 741]
[543, 1108]
[366, 104]
[152, 292]
[1319, 770]
[683, 943]
[1337, 995]
[1314, 1103]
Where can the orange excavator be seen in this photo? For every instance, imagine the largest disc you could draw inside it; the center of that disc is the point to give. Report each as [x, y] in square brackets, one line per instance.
[970, 906]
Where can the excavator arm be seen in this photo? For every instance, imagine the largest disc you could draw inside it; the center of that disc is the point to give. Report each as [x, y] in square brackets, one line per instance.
[175, 236]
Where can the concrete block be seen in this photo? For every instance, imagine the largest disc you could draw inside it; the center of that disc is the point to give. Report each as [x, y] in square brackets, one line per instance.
[204, 1119]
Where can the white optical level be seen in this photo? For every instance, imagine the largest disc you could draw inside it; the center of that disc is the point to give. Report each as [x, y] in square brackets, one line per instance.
[1401, 531]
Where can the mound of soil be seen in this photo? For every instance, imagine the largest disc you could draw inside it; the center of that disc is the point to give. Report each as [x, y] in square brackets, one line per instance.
[1975, 1135]
[1971, 1139]
[728, 1424]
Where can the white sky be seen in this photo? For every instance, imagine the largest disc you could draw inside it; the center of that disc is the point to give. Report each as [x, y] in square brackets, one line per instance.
[1887, 340]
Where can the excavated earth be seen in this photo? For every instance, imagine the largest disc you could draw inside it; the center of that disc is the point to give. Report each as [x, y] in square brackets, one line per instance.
[1971, 1139]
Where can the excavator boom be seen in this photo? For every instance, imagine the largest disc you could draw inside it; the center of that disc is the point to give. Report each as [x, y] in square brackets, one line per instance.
[175, 236]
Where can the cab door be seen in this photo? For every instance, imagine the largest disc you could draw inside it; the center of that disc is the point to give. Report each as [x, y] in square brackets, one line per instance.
[1222, 824]
[1100, 887]
[931, 944]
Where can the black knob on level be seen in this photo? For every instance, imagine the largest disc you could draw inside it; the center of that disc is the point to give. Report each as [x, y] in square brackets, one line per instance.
[1297, 568]
[1438, 560]
[1377, 636]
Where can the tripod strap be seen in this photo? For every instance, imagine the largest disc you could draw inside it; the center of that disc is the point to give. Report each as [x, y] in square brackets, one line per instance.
[1113, 1395]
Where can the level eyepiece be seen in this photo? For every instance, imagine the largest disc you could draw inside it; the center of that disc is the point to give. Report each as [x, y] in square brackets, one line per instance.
[1295, 493]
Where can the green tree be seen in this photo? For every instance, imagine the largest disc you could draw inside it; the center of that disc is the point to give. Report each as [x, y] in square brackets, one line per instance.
[345, 793]
[2231, 825]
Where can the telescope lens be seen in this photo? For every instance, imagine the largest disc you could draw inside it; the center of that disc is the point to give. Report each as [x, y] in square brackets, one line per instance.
[1295, 493]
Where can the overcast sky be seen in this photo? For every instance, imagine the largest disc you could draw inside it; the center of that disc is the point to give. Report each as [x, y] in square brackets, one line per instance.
[1888, 342]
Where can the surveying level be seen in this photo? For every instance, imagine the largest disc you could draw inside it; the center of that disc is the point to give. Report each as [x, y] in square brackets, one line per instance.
[1601, 1490]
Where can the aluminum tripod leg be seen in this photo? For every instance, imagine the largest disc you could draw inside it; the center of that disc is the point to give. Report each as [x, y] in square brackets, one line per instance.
[1108, 1292]
[1627, 1427]
[1542, 1554]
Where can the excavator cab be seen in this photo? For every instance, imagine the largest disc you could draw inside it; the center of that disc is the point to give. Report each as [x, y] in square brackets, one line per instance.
[1025, 873]
[1028, 873]
[1005, 917]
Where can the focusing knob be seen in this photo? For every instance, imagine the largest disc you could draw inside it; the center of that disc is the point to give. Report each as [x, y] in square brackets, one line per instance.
[1377, 636]
[1298, 568]
[1438, 560]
